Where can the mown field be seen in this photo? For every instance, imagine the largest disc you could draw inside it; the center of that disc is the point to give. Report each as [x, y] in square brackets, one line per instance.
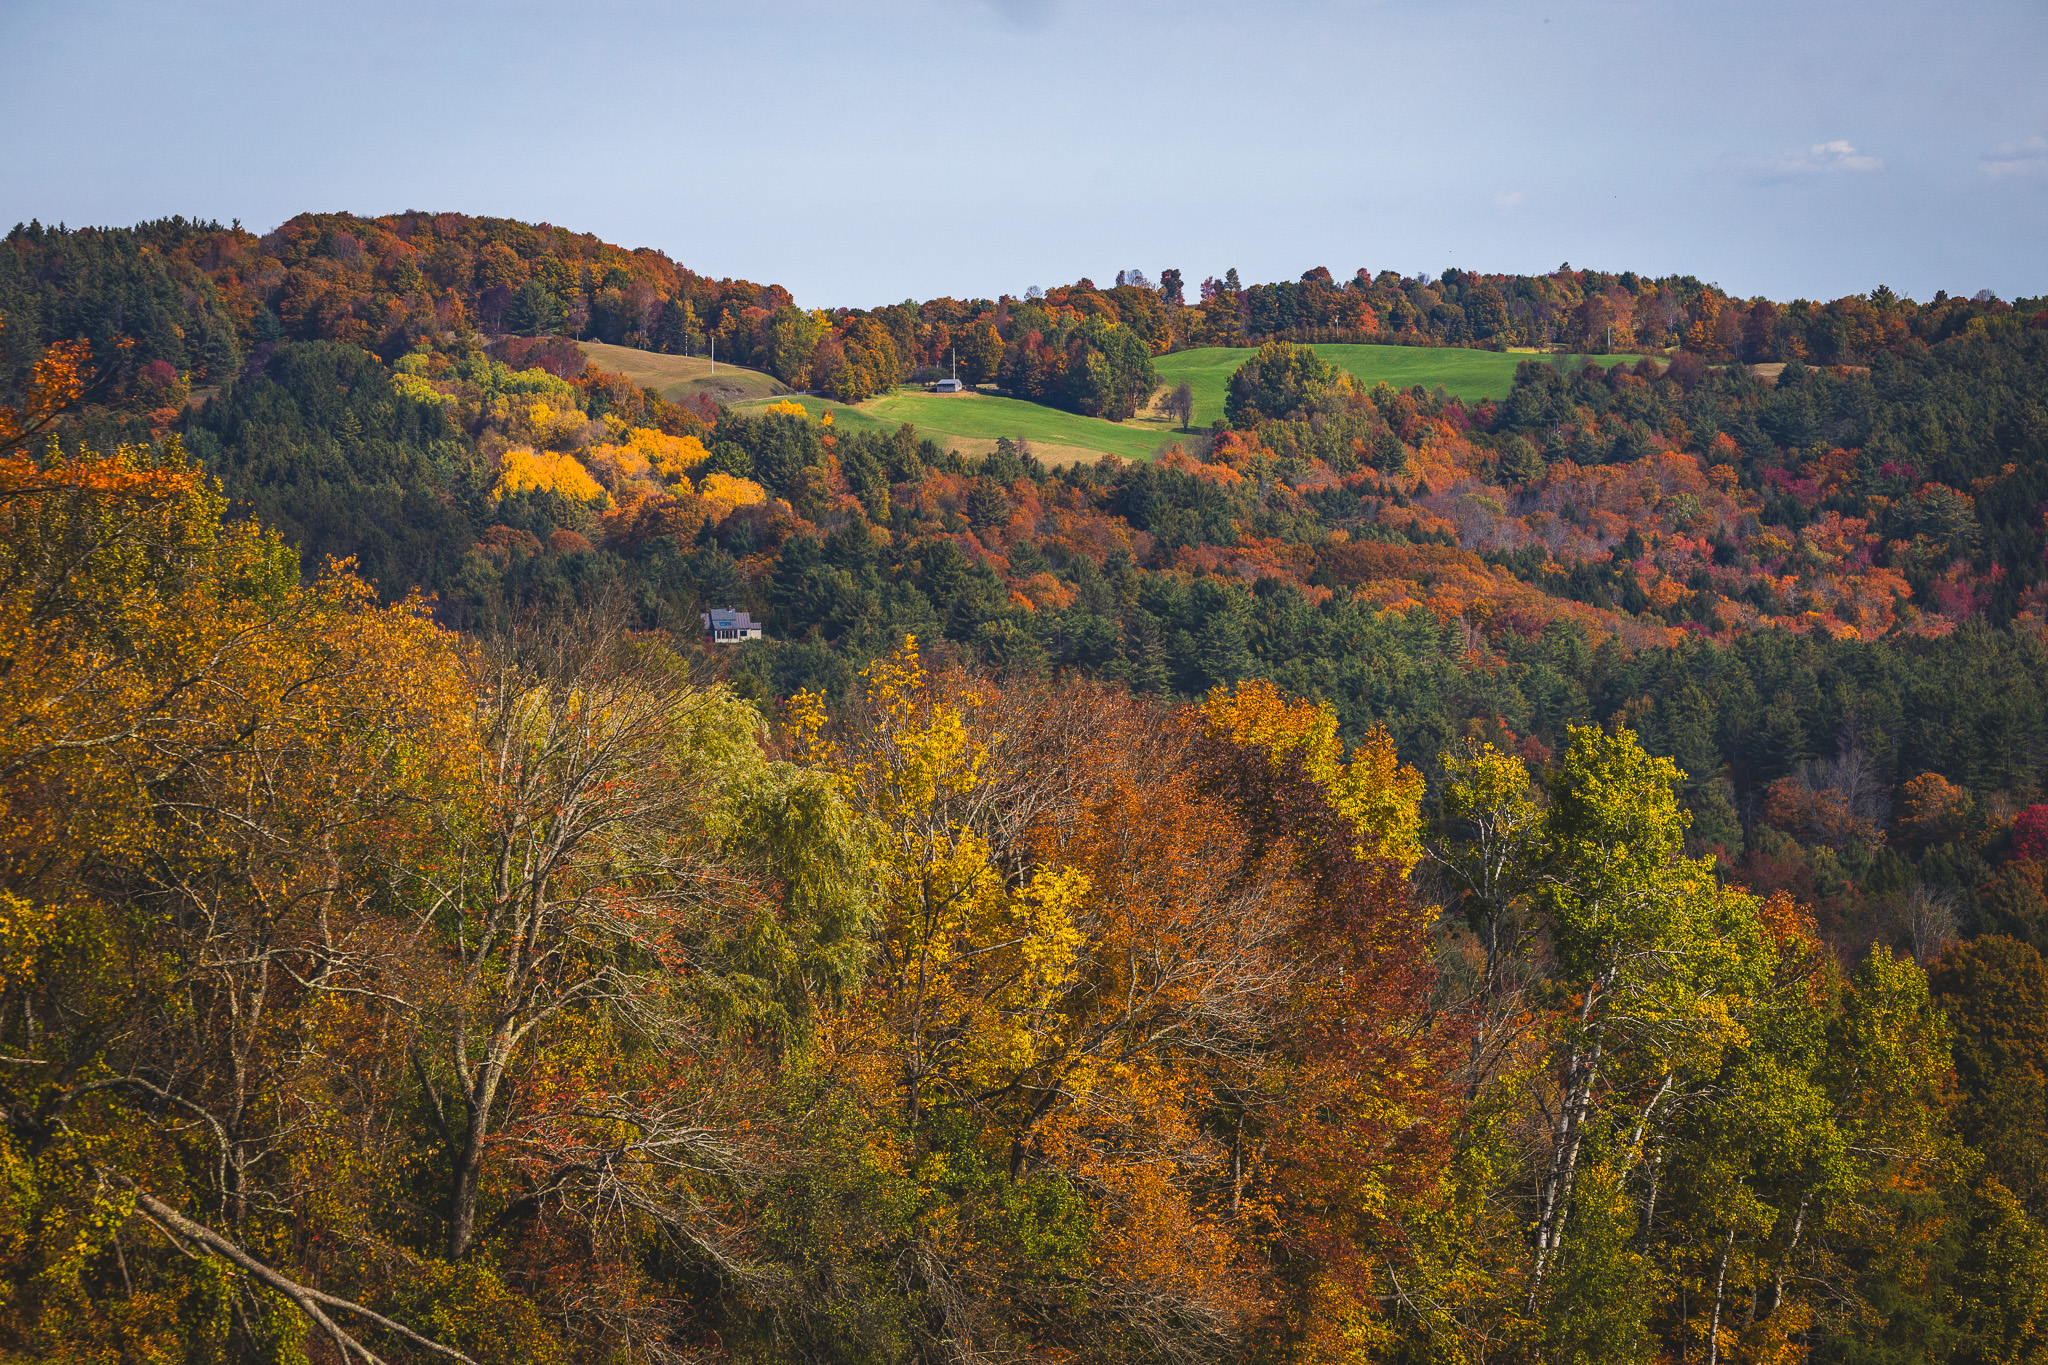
[1470, 375]
[971, 422]
[679, 376]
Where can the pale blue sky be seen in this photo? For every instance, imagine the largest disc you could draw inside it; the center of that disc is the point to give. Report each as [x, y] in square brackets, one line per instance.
[864, 153]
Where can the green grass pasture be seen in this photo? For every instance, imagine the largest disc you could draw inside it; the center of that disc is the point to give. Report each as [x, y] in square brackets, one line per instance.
[971, 422]
[1470, 375]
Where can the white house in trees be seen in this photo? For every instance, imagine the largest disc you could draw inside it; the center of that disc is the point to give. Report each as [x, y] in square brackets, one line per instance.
[725, 626]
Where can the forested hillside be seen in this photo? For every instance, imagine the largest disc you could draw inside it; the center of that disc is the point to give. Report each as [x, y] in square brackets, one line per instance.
[1393, 878]
[204, 300]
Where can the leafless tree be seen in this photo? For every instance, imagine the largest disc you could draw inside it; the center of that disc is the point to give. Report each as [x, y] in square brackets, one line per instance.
[1180, 404]
[573, 895]
[1922, 917]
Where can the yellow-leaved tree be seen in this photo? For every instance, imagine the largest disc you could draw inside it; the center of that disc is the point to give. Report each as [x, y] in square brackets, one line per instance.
[1351, 1138]
[524, 469]
[1376, 796]
[976, 955]
[208, 769]
[647, 457]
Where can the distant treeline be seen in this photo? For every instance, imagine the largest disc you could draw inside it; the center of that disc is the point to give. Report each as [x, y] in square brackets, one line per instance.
[190, 303]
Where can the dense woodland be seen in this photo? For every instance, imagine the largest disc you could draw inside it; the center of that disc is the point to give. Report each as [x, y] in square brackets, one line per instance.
[1390, 879]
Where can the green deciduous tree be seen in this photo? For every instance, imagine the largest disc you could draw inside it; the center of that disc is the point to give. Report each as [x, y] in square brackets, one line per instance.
[1282, 379]
[1657, 954]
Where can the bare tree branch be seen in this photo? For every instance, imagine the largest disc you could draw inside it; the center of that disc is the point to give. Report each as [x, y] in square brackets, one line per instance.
[310, 1301]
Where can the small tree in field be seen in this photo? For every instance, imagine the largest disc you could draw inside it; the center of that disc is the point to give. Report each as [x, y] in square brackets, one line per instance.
[1180, 404]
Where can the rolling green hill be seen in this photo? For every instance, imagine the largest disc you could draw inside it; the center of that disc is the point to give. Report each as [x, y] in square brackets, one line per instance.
[968, 422]
[971, 422]
[1470, 375]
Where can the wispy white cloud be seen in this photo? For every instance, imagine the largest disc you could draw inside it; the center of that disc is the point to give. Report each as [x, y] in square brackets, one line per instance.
[1031, 16]
[2015, 160]
[1508, 199]
[1823, 158]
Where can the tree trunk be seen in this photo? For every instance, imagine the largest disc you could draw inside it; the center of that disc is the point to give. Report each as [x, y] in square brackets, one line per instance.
[1720, 1283]
[469, 1160]
[1554, 1197]
[1778, 1280]
[1237, 1167]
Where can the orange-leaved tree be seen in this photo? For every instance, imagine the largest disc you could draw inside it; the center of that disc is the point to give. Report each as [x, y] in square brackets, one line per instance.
[1353, 1153]
[1107, 986]
[60, 379]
